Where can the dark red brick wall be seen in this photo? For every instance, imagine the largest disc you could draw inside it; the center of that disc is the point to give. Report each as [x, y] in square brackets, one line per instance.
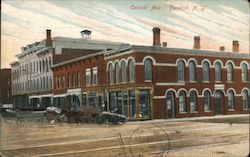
[5, 86]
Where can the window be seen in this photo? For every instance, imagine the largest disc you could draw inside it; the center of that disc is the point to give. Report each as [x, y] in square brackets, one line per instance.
[191, 71]
[244, 72]
[181, 72]
[182, 103]
[230, 100]
[229, 72]
[111, 73]
[92, 99]
[206, 101]
[119, 102]
[132, 105]
[84, 99]
[78, 80]
[88, 77]
[193, 101]
[148, 70]
[217, 71]
[245, 97]
[205, 68]
[95, 76]
[125, 103]
[63, 81]
[124, 72]
[145, 103]
[112, 102]
[131, 70]
[117, 73]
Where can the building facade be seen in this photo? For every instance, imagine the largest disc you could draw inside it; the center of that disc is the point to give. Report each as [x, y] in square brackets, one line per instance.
[32, 76]
[5, 88]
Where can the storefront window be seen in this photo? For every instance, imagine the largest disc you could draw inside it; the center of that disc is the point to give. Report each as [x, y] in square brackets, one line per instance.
[119, 102]
[92, 99]
[112, 102]
[125, 103]
[84, 99]
[132, 104]
[144, 102]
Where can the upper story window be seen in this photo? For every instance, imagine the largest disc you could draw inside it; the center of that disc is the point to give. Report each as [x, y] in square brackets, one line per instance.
[182, 101]
[88, 77]
[69, 80]
[244, 72]
[131, 70]
[205, 68]
[148, 66]
[245, 98]
[124, 72]
[181, 70]
[111, 73]
[117, 73]
[95, 81]
[229, 72]
[192, 70]
[206, 101]
[231, 100]
[193, 101]
[217, 71]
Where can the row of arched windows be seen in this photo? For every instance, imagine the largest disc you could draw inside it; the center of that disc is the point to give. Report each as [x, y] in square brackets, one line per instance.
[117, 73]
[207, 100]
[206, 71]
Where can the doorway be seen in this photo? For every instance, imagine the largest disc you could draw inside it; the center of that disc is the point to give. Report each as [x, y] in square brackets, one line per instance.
[218, 96]
[170, 105]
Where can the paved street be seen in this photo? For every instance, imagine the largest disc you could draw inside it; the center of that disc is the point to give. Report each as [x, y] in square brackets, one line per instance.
[210, 136]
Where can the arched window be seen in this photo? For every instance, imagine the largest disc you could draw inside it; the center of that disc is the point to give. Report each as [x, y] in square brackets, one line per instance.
[111, 73]
[205, 68]
[131, 70]
[231, 100]
[229, 72]
[244, 72]
[245, 99]
[124, 72]
[117, 73]
[182, 101]
[217, 71]
[181, 70]
[206, 101]
[148, 70]
[193, 101]
[192, 67]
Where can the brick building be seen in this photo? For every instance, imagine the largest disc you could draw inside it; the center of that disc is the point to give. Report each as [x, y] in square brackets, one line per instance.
[32, 75]
[5, 86]
[148, 82]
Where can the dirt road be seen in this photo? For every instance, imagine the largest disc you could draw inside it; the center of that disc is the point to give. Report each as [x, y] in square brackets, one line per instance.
[208, 137]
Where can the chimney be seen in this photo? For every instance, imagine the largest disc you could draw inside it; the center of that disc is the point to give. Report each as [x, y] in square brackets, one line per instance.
[235, 46]
[197, 42]
[164, 44]
[48, 38]
[222, 48]
[156, 36]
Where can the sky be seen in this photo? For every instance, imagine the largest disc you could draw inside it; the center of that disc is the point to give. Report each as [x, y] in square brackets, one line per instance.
[218, 23]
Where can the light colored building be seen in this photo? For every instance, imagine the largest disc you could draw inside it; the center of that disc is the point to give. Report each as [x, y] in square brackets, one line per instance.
[32, 75]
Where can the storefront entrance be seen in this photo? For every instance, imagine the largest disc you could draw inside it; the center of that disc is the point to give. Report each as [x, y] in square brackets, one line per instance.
[218, 96]
[170, 105]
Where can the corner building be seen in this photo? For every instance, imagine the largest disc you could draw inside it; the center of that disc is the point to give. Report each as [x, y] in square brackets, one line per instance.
[150, 82]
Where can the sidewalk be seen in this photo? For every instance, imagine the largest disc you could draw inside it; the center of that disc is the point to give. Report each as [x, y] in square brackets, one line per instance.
[189, 119]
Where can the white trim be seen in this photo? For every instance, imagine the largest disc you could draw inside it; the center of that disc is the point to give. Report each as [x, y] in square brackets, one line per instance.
[40, 96]
[248, 66]
[222, 90]
[230, 61]
[165, 64]
[203, 91]
[59, 95]
[206, 60]
[232, 90]
[218, 60]
[192, 59]
[76, 91]
[148, 57]
[171, 90]
[170, 83]
[245, 88]
[178, 92]
[159, 97]
[192, 89]
[109, 62]
[123, 59]
[130, 58]
[117, 61]
[119, 54]
[179, 59]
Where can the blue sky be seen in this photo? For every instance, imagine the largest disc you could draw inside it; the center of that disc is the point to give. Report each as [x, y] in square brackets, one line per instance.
[131, 21]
